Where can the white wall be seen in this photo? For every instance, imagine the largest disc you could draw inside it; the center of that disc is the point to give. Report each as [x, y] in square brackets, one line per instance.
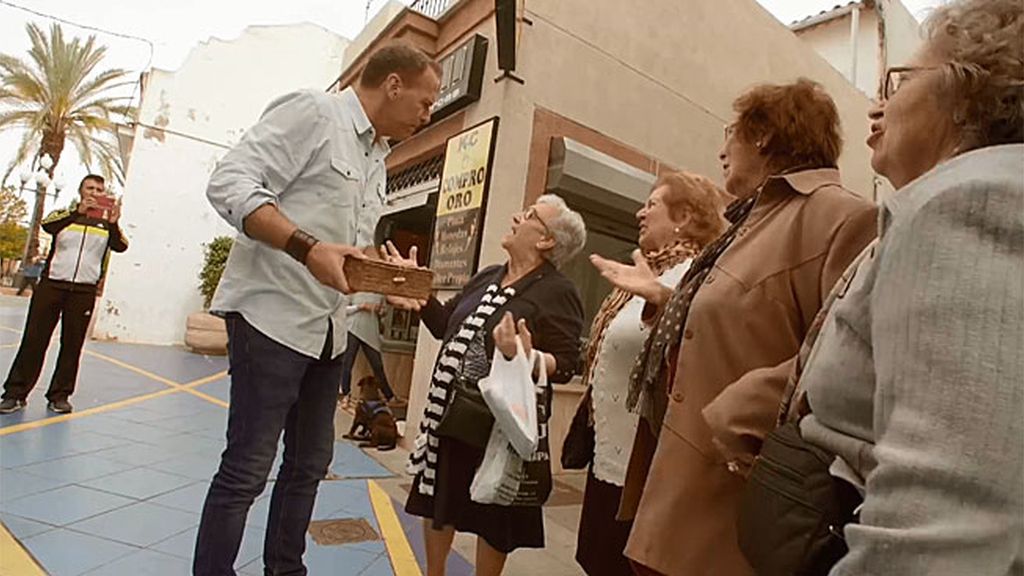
[218, 92]
[831, 40]
[373, 28]
[903, 34]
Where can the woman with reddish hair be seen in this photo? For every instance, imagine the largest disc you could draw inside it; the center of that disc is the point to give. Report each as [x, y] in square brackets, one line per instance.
[682, 215]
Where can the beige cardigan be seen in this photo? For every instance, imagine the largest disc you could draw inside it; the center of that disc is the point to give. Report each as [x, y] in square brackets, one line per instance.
[917, 378]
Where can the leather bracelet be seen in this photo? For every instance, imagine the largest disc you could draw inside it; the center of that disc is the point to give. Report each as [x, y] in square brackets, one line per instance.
[299, 244]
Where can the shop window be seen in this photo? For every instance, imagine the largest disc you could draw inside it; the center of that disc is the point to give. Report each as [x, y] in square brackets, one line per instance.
[406, 229]
[610, 234]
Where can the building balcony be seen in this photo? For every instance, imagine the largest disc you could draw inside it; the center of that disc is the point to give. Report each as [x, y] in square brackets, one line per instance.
[433, 9]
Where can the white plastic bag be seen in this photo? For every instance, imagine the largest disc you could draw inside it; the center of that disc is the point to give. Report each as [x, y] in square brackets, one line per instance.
[490, 476]
[506, 479]
[511, 394]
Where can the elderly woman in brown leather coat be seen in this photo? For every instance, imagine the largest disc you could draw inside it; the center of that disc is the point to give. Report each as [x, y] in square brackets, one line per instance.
[723, 342]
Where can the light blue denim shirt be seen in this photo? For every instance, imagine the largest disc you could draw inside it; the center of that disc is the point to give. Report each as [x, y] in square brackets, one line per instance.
[312, 154]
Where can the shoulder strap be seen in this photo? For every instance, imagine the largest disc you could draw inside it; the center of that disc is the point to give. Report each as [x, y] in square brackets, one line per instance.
[794, 405]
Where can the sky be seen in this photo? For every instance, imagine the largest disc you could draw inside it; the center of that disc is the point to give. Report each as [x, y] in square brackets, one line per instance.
[174, 28]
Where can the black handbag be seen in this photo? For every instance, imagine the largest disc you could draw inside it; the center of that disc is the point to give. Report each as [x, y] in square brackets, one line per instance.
[793, 510]
[467, 417]
[578, 447]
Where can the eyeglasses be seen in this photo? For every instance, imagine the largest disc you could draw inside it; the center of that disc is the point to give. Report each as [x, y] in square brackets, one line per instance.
[531, 214]
[730, 129]
[895, 76]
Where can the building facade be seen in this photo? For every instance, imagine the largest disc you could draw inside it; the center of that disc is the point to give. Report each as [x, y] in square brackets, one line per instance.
[600, 102]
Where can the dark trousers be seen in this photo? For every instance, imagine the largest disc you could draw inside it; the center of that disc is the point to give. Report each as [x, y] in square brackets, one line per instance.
[273, 389]
[348, 361]
[601, 539]
[25, 282]
[49, 304]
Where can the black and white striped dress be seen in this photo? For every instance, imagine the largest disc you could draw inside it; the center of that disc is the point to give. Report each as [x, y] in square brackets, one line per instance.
[451, 361]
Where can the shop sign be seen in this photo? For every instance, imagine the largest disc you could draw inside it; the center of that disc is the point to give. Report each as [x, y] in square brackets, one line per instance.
[462, 75]
[461, 204]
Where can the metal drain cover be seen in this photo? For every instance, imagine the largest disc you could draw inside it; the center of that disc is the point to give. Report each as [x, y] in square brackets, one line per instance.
[342, 531]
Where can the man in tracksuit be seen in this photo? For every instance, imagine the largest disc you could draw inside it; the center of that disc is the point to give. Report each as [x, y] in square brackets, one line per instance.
[67, 291]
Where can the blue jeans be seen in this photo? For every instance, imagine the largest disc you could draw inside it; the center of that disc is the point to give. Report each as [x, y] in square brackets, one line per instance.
[348, 360]
[273, 389]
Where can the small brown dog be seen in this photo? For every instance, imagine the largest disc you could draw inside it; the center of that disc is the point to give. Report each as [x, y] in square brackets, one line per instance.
[373, 424]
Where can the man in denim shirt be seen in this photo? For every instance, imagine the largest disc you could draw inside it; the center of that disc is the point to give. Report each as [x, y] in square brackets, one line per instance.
[305, 186]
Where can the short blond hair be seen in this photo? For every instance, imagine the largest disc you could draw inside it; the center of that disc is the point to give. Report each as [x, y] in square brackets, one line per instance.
[983, 44]
[698, 196]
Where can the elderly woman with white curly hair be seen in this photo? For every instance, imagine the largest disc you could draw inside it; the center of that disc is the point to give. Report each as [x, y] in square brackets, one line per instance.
[528, 296]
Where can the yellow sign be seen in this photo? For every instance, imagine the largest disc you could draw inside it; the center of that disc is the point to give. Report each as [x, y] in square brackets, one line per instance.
[464, 175]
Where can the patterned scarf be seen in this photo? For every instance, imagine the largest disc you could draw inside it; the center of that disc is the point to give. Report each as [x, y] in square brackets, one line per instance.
[659, 261]
[648, 387]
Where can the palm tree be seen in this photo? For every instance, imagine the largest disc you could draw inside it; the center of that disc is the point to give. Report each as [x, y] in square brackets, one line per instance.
[54, 97]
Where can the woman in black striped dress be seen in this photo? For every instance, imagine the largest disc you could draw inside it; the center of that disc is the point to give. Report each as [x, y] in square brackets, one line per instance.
[526, 294]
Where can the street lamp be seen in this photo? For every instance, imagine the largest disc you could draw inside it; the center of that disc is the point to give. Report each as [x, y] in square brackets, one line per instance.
[42, 180]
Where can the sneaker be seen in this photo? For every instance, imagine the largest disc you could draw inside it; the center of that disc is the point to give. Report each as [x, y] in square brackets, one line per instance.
[11, 405]
[59, 406]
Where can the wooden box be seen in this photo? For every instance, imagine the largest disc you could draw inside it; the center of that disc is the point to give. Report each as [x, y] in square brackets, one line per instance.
[382, 277]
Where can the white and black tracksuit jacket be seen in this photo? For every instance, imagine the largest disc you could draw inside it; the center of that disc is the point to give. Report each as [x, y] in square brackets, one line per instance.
[80, 249]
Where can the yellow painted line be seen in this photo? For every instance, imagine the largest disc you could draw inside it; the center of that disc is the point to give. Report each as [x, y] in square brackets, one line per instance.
[207, 397]
[15, 560]
[113, 406]
[135, 369]
[139, 371]
[157, 378]
[403, 561]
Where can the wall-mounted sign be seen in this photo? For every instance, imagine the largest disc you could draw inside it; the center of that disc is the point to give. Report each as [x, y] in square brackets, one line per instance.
[462, 76]
[461, 204]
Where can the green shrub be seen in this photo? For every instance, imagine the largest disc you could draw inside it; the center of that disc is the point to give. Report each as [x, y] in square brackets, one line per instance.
[215, 256]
